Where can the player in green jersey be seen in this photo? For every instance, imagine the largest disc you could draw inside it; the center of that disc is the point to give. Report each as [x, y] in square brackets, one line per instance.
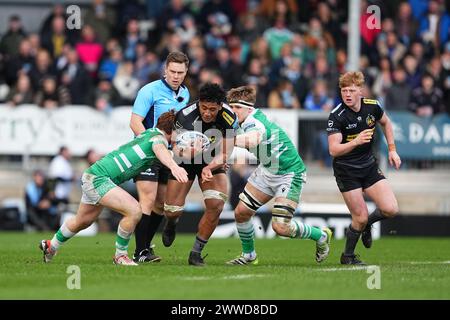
[280, 176]
[100, 188]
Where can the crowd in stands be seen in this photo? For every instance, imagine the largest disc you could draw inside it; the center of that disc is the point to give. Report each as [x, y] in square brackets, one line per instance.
[292, 51]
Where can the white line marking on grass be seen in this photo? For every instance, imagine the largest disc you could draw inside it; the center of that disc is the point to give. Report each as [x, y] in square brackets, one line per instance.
[233, 277]
[344, 268]
[429, 262]
[243, 276]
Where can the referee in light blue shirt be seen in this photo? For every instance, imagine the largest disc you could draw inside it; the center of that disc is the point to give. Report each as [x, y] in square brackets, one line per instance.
[153, 100]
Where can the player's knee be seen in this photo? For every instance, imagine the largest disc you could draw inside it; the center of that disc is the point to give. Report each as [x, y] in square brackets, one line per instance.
[242, 214]
[158, 207]
[172, 211]
[281, 218]
[135, 214]
[215, 206]
[391, 210]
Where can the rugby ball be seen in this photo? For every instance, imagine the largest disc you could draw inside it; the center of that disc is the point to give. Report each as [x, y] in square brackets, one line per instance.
[186, 139]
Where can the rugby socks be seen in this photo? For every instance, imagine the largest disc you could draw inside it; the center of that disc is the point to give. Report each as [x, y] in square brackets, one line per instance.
[352, 239]
[374, 217]
[304, 231]
[199, 244]
[141, 234]
[153, 225]
[61, 236]
[246, 233]
[122, 240]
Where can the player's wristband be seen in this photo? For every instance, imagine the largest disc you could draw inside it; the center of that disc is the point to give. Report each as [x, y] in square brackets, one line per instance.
[391, 147]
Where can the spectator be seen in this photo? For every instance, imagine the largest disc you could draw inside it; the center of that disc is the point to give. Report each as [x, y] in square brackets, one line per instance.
[106, 96]
[108, 67]
[22, 93]
[131, 39]
[41, 213]
[277, 35]
[75, 77]
[50, 96]
[405, 24]
[283, 96]
[41, 68]
[20, 63]
[383, 80]
[426, 100]
[59, 35]
[62, 175]
[391, 48]
[256, 77]
[230, 71]
[10, 42]
[413, 74]
[89, 50]
[147, 67]
[434, 26]
[125, 83]
[102, 19]
[318, 99]
[397, 96]
[272, 10]
[293, 71]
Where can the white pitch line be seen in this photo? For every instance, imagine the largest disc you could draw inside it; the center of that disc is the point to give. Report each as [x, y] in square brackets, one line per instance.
[344, 268]
[243, 276]
[428, 262]
[233, 277]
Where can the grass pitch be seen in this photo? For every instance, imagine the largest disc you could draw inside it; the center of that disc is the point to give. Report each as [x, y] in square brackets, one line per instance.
[410, 268]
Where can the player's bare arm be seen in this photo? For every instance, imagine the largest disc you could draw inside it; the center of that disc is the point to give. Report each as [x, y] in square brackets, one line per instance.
[220, 160]
[136, 124]
[248, 140]
[164, 155]
[386, 125]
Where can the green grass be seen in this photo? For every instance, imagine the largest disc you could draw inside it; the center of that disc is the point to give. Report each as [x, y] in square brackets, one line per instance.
[411, 268]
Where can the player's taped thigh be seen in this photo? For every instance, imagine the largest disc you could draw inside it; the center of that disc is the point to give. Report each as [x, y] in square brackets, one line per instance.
[282, 214]
[214, 194]
[249, 200]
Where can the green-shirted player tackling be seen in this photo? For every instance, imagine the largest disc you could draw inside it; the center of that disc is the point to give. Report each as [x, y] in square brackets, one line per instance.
[100, 188]
[280, 175]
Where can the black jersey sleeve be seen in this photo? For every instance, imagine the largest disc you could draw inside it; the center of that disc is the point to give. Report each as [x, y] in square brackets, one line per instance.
[184, 118]
[378, 111]
[229, 120]
[333, 125]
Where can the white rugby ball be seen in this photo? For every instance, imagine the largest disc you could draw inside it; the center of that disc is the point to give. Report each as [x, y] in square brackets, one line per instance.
[186, 139]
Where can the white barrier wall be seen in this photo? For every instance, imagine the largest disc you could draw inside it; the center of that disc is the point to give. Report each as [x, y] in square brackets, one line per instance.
[28, 129]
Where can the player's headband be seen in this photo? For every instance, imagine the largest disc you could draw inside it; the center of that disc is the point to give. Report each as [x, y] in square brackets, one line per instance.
[241, 103]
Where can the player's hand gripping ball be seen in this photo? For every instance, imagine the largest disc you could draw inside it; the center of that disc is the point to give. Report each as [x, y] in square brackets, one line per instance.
[192, 143]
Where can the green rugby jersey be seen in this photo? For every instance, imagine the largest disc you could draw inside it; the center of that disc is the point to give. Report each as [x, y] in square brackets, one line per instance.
[129, 159]
[275, 152]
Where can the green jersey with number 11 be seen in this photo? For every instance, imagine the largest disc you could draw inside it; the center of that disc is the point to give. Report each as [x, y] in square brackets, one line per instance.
[275, 152]
[129, 159]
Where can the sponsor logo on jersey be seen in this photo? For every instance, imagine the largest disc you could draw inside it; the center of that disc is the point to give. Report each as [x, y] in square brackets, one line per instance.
[370, 120]
[370, 101]
[189, 109]
[227, 118]
[359, 118]
[351, 126]
[330, 123]
[350, 137]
